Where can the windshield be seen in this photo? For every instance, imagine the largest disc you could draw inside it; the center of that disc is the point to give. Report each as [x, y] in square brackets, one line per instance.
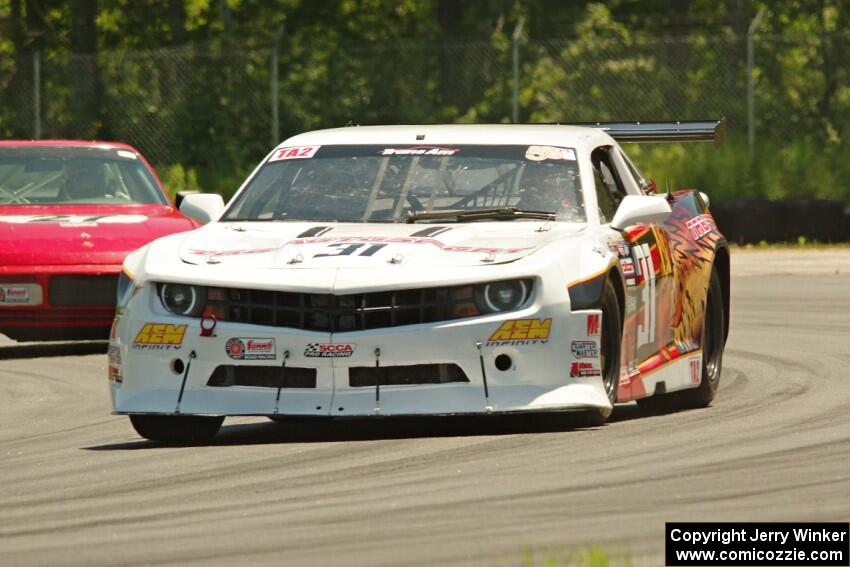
[75, 176]
[389, 183]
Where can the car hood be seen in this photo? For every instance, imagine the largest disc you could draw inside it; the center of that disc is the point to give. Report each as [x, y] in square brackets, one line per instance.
[74, 235]
[367, 246]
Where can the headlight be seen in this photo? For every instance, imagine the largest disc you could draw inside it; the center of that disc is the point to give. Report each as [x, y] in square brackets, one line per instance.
[182, 299]
[506, 295]
[125, 289]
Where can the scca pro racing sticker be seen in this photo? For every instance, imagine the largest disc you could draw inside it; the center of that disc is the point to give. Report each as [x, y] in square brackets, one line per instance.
[159, 336]
[329, 350]
[251, 349]
[521, 332]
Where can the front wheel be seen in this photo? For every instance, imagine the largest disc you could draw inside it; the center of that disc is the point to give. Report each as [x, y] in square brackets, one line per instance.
[178, 429]
[609, 356]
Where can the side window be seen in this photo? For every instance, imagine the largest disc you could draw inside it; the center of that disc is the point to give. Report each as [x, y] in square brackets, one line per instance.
[606, 203]
[634, 172]
[603, 166]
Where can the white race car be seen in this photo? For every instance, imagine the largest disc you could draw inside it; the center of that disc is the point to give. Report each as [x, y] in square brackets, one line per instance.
[411, 270]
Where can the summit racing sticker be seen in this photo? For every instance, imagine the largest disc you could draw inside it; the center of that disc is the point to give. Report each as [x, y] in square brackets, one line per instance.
[329, 350]
[250, 349]
[584, 370]
[159, 336]
[14, 294]
[541, 153]
[295, 152]
[521, 332]
[420, 151]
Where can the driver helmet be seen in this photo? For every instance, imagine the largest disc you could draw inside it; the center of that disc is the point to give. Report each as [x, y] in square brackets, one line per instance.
[543, 187]
[85, 179]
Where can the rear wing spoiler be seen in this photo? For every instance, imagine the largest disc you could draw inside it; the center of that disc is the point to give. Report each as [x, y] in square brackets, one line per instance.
[680, 131]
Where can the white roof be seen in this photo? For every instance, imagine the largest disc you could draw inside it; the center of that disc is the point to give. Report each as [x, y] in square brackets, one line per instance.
[577, 137]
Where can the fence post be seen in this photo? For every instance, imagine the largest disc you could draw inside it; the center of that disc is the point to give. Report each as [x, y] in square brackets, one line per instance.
[515, 62]
[751, 102]
[274, 86]
[36, 87]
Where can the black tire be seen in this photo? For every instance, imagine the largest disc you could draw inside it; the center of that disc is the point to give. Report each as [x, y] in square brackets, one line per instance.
[713, 343]
[177, 429]
[610, 339]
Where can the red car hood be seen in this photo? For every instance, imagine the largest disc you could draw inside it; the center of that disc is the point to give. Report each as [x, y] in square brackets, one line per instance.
[82, 234]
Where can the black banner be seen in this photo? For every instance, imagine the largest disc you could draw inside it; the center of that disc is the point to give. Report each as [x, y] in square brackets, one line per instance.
[744, 544]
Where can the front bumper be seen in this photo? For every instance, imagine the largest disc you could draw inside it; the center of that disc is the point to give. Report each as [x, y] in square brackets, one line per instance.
[149, 379]
[58, 302]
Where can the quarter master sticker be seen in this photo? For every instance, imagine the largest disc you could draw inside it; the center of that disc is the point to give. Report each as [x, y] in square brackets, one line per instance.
[295, 152]
[521, 332]
[329, 350]
[584, 349]
[159, 336]
[251, 349]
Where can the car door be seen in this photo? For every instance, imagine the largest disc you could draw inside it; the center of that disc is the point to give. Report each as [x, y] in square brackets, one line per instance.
[645, 258]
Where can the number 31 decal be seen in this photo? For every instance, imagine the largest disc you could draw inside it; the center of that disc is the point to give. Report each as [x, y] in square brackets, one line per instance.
[345, 249]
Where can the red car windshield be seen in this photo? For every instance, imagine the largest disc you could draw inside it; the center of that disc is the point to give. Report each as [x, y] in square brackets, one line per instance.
[75, 176]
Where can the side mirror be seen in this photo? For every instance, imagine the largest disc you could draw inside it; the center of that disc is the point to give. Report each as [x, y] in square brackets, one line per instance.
[180, 195]
[641, 209]
[651, 188]
[705, 198]
[204, 207]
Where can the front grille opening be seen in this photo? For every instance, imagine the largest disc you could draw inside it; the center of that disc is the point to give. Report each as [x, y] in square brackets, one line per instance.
[360, 376]
[72, 291]
[343, 313]
[262, 376]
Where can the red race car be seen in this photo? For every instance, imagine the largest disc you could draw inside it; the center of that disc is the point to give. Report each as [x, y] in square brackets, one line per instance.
[70, 212]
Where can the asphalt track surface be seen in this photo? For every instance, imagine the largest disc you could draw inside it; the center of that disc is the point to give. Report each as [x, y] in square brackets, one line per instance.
[78, 487]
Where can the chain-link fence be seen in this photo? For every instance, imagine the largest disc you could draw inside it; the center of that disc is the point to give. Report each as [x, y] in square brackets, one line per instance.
[211, 106]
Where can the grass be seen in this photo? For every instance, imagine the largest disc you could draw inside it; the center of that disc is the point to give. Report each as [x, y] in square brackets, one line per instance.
[802, 244]
[791, 169]
[594, 556]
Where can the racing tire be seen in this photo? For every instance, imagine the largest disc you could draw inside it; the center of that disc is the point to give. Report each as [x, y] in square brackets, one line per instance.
[611, 337]
[713, 343]
[177, 429]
